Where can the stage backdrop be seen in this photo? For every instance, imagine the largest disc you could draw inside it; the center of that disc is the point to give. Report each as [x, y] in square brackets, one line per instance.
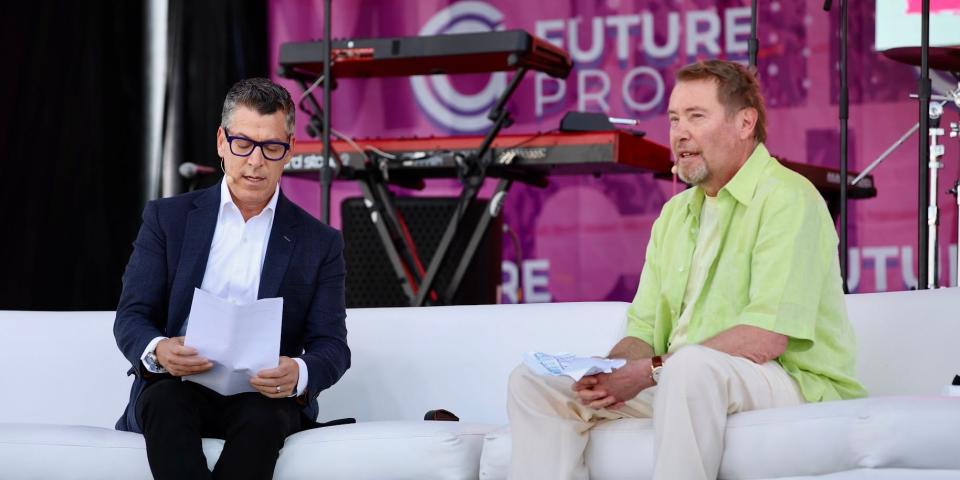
[583, 238]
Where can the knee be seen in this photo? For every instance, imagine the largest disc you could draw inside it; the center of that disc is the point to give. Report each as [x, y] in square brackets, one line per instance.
[265, 416]
[522, 382]
[518, 380]
[526, 386]
[692, 365]
[163, 394]
[165, 401]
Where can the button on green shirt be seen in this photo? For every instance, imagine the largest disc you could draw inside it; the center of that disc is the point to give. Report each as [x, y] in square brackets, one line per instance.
[777, 269]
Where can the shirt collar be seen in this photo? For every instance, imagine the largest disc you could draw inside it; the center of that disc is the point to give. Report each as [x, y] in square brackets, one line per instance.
[744, 183]
[226, 199]
[741, 186]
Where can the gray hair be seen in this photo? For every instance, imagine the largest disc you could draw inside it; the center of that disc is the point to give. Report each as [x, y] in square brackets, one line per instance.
[262, 95]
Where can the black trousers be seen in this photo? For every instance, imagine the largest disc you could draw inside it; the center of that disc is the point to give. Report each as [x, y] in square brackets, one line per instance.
[175, 415]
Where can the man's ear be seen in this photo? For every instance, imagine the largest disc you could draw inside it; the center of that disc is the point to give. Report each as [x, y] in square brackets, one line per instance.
[746, 123]
[221, 142]
[289, 155]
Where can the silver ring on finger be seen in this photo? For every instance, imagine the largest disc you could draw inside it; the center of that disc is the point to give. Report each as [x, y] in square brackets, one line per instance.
[278, 388]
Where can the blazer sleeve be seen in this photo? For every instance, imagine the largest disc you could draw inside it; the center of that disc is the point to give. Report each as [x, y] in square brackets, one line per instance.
[326, 353]
[142, 306]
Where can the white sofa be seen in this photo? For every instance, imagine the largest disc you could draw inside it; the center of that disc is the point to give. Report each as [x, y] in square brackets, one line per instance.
[63, 387]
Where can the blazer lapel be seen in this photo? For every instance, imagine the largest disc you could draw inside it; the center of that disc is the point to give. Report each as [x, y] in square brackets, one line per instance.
[279, 248]
[197, 237]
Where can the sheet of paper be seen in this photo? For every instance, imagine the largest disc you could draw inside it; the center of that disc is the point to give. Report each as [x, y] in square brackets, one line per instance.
[569, 364]
[240, 340]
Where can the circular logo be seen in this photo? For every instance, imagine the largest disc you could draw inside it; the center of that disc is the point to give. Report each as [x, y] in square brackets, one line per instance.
[436, 95]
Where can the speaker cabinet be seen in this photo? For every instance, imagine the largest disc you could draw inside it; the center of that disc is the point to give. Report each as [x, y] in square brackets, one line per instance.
[371, 281]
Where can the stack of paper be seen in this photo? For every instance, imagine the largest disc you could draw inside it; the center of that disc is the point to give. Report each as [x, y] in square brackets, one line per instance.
[570, 365]
[240, 340]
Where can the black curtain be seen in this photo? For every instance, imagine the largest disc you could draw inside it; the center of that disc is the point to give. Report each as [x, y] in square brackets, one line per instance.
[72, 140]
[72, 133]
[213, 44]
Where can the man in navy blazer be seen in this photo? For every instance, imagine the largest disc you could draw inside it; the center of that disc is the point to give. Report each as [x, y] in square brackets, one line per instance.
[240, 240]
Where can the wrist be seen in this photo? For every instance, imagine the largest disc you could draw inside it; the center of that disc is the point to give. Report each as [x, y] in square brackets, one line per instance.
[639, 370]
[153, 362]
[656, 366]
[150, 359]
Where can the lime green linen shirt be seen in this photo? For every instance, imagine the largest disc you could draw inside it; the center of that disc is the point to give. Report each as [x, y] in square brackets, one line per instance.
[777, 269]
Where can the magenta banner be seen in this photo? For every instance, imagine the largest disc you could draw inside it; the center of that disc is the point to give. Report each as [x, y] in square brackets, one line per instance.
[583, 238]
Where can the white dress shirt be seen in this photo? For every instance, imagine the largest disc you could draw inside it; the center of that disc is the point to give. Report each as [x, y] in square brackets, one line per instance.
[235, 262]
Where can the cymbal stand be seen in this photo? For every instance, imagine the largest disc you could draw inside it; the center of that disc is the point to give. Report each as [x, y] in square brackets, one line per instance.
[954, 96]
[939, 100]
[955, 191]
[933, 211]
[936, 152]
[876, 163]
[935, 111]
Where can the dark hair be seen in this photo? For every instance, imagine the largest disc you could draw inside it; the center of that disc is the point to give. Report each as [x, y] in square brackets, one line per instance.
[737, 88]
[259, 94]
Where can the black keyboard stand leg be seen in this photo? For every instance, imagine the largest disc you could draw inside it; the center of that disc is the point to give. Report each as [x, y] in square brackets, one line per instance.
[492, 211]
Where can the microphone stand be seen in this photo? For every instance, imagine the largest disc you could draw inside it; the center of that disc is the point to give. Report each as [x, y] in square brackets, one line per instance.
[844, 114]
[923, 274]
[326, 175]
[753, 45]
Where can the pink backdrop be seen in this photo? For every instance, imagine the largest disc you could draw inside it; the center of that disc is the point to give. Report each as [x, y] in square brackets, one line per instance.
[583, 238]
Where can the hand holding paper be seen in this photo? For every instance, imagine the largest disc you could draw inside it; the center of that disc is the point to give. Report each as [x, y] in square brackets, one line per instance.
[284, 376]
[240, 340]
[179, 359]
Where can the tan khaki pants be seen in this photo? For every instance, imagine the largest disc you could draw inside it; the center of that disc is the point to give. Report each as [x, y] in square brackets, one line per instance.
[698, 388]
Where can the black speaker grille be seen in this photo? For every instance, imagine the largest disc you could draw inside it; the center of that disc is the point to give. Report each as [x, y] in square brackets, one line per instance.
[371, 281]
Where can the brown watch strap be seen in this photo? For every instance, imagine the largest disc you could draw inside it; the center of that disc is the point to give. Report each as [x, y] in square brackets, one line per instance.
[656, 362]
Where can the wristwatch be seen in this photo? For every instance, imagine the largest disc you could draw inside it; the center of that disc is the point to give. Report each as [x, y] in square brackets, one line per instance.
[153, 364]
[656, 365]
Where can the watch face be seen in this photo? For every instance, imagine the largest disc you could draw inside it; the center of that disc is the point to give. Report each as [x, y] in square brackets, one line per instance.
[154, 364]
[656, 374]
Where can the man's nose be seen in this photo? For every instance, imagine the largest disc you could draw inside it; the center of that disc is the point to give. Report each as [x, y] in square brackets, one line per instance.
[256, 158]
[679, 132]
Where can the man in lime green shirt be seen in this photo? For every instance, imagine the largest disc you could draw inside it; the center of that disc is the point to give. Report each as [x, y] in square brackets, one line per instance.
[740, 304]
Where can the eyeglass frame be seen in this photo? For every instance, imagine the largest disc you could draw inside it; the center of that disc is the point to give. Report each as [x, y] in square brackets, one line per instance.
[231, 138]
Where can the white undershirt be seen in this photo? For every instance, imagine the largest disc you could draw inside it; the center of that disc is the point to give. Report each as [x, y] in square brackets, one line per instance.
[708, 244]
[236, 261]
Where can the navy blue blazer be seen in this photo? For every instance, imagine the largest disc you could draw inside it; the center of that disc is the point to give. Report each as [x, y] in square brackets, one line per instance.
[304, 265]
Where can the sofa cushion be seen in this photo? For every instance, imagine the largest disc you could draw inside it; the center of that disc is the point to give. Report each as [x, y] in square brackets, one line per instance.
[921, 323]
[495, 458]
[374, 450]
[808, 440]
[39, 451]
[378, 450]
[407, 361]
[58, 342]
[880, 432]
[885, 474]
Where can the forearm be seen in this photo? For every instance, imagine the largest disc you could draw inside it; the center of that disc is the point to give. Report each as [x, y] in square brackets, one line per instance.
[631, 348]
[753, 343]
[325, 365]
[133, 332]
[325, 347]
[141, 308]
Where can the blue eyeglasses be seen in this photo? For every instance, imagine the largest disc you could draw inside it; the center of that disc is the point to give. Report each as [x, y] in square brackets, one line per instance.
[244, 147]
